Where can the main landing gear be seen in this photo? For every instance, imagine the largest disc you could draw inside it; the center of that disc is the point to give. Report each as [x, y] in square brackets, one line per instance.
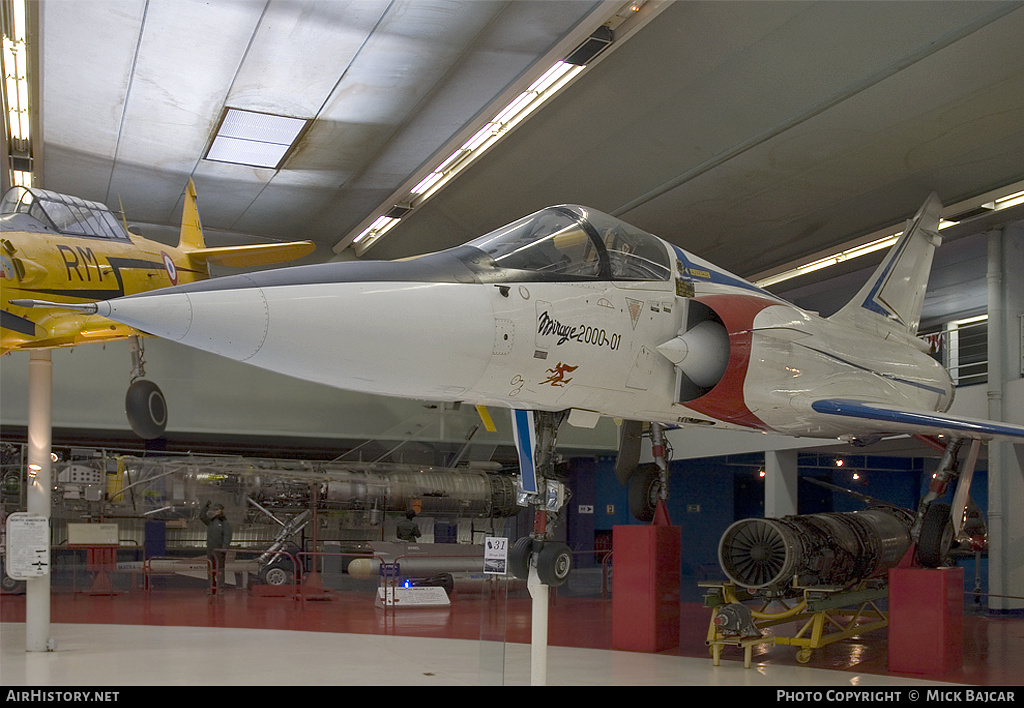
[940, 528]
[551, 559]
[144, 403]
[647, 483]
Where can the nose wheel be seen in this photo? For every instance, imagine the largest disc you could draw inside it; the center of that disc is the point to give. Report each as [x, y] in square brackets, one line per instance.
[552, 559]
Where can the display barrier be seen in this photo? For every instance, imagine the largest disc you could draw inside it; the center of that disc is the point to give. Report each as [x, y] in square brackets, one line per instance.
[173, 587]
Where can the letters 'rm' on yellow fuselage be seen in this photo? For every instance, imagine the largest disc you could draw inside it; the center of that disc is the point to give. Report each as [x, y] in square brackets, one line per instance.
[60, 248]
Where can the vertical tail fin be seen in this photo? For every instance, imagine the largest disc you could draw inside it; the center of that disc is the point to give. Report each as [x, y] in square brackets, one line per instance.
[891, 300]
[191, 237]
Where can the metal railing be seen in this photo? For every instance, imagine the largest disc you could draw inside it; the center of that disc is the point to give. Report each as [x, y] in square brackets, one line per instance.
[962, 347]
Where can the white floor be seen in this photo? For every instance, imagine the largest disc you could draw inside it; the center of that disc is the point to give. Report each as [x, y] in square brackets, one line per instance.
[129, 655]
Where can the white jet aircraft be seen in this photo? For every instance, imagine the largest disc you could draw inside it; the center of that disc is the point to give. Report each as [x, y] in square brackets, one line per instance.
[572, 313]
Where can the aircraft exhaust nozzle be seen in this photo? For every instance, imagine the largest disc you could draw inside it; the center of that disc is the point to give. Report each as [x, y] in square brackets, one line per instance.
[701, 352]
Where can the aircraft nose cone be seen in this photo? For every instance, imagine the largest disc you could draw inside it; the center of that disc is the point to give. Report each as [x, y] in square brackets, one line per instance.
[167, 316]
[231, 323]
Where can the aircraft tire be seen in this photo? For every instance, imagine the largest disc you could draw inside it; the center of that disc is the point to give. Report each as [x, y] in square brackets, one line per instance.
[936, 537]
[276, 576]
[146, 409]
[644, 490]
[554, 563]
[519, 558]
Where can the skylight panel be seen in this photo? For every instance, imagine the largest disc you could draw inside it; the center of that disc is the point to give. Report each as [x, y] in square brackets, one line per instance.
[255, 139]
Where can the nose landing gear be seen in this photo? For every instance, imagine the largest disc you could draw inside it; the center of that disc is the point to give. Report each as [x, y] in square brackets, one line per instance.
[551, 559]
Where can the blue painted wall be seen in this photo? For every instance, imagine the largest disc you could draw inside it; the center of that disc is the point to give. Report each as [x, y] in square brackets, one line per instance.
[708, 495]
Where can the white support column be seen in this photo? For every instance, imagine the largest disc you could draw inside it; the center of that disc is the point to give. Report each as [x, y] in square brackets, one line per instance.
[538, 630]
[780, 483]
[1005, 460]
[40, 425]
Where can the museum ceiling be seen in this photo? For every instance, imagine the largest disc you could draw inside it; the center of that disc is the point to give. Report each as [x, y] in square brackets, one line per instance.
[755, 134]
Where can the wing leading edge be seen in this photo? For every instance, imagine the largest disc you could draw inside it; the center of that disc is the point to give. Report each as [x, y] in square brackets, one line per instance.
[898, 420]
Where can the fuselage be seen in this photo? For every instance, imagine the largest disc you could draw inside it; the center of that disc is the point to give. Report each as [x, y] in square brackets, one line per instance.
[61, 248]
[565, 309]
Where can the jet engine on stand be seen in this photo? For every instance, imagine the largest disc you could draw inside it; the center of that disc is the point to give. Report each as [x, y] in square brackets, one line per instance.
[832, 549]
[823, 571]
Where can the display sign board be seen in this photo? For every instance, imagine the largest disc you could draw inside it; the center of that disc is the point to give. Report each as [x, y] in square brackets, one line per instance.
[92, 535]
[412, 597]
[28, 546]
[495, 555]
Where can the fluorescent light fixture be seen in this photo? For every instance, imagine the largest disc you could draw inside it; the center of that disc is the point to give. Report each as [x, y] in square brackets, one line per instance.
[543, 88]
[15, 70]
[1010, 200]
[380, 226]
[509, 116]
[829, 261]
[254, 139]
[878, 244]
[968, 320]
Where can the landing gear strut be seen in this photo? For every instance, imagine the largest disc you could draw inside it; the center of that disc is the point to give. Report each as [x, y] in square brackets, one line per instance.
[939, 527]
[649, 483]
[552, 559]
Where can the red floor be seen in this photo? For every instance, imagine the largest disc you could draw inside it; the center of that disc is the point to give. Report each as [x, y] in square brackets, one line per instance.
[993, 646]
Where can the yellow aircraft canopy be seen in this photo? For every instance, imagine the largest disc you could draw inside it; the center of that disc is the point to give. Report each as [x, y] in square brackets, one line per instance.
[32, 209]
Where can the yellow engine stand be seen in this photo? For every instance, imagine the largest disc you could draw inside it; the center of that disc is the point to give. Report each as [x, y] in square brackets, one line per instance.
[827, 615]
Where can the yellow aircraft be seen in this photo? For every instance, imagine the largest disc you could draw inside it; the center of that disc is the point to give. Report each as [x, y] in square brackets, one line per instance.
[67, 250]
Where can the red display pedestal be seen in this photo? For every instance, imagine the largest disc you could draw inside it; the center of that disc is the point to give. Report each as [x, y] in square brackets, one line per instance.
[645, 587]
[100, 560]
[926, 620]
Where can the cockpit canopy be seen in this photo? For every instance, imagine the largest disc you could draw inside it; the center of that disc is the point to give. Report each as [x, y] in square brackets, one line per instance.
[556, 244]
[34, 209]
[576, 243]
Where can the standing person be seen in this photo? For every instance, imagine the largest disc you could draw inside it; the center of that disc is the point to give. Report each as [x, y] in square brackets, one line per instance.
[218, 540]
[408, 530]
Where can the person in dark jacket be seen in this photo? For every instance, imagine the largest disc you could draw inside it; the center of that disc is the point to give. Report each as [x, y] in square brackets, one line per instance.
[218, 540]
[408, 530]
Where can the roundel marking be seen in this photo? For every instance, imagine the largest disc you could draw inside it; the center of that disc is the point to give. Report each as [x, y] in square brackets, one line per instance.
[172, 270]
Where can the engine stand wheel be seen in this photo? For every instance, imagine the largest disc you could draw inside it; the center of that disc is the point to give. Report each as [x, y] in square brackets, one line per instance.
[936, 538]
[554, 563]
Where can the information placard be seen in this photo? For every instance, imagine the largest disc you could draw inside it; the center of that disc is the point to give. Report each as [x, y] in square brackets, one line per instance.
[28, 546]
[495, 555]
[92, 534]
[429, 596]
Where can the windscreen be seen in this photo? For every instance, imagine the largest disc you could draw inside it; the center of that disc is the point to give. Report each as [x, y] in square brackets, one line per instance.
[577, 243]
[551, 241]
